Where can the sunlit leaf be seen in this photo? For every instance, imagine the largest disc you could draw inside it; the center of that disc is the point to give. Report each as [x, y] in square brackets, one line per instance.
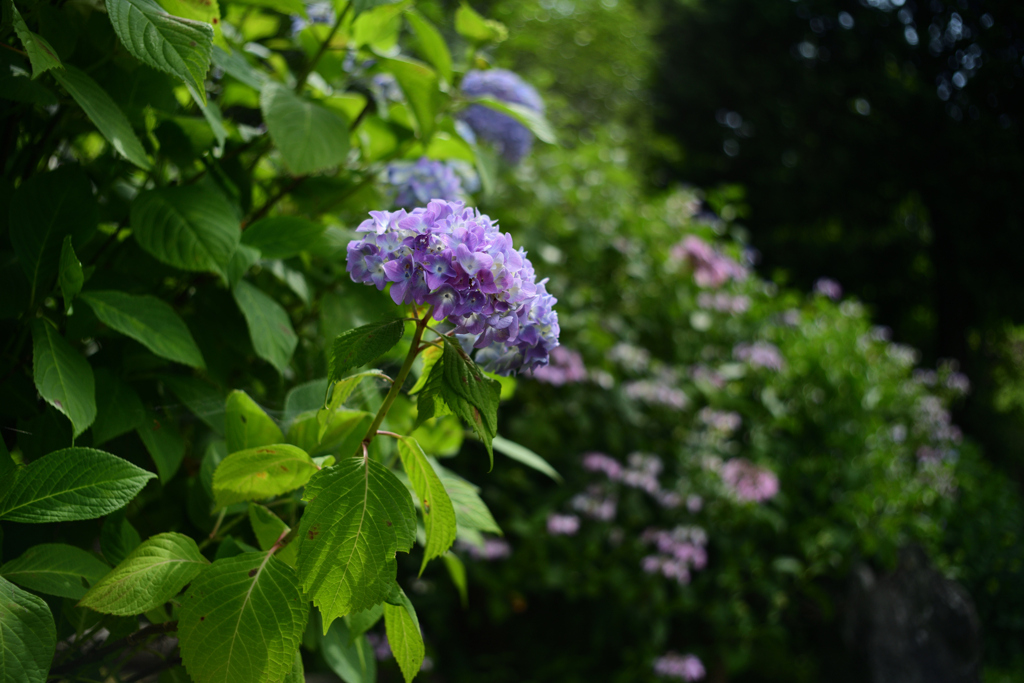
[55, 569]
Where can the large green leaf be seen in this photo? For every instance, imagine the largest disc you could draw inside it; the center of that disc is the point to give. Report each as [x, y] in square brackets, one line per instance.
[404, 637]
[421, 87]
[118, 537]
[270, 328]
[532, 119]
[438, 512]
[205, 400]
[340, 432]
[310, 137]
[40, 54]
[304, 397]
[431, 44]
[55, 569]
[469, 394]
[63, 377]
[118, 408]
[475, 27]
[103, 111]
[362, 621]
[525, 456]
[191, 227]
[269, 528]
[247, 425]
[362, 345]
[470, 510]
[73, 483]
[340, 393]
[261, 472]
[282, 236]
[164, 443]
[44, 210]
[360, 514]
[180, 47]
[151, 575]
[70, 276]
[349, 655]
[28, 637]
[242, 620]
[149, 321]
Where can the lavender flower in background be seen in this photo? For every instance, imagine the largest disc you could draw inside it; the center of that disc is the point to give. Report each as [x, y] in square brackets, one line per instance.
[318, 13]
[722, 421]
[455, 259]
[642, 472]
[563, 525]
[512, 139]
[828, 287]
[724, 303]
[629, 357]
[702, 374]
[657, 392]
[492, 549]
[678, 551]
[564, 367]
[599, 462]
[759, 355]
[381, 646]
[748, 482]
[596, 504]
[416, 183]
[683, 667]
[710, 268]
[694, 503]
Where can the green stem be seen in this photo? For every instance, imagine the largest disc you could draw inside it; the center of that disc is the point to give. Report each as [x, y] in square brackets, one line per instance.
[323, 48]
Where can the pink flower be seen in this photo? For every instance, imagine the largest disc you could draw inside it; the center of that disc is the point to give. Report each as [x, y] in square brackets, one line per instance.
[563, 525]
[683, 667]
[749, 482]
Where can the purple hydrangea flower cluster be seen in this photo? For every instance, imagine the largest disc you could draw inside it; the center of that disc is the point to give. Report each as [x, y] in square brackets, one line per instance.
[563, 525]
[629, 357]
[723, 303]
[596, 504]
[641, 473]
[679, 551]
[416, 183]
[657, 392]
[760, 355]
[683, 667]
[319, 12]
[492, 549]
[748, 482]
[710, 268]
[455, 259]
[724, 421]
[513, 139]
[565, 367]
[828, 287]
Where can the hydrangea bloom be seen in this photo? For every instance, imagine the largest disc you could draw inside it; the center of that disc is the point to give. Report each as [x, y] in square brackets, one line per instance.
[679, 551]
[566, 367]
[683, 667]
[828, 287]
[657, 392]
[710, 268]
[748, 482]
[319, 12]
[416, 183]
[596, 504]
[492, 549]
[513, 139]
[456, 260]
[760, 355]
[563, 525]
[599, 462]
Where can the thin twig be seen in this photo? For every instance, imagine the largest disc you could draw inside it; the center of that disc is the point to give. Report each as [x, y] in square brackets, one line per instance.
[263, 210]
[323, 48]
[128, 641]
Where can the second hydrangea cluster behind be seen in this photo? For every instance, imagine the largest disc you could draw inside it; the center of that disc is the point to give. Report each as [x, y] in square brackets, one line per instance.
[513, 139]
[456, 260]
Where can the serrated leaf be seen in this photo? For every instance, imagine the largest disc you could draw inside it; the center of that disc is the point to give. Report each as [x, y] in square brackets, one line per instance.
[43, 211]
[118, 408]
[164, 443]
[206, 11]
[118, 538]
[532, 119]
[63, 377]
[149, 321]
[420, 85]
[40, 54]
[431, 44]
[469, 394]
[55, 569]
[340, 392]
[350, 657]
[180, 47]
[470, 510]
[344, 431]
[359, 516]
[242, 620]
[149, 576]
[70, 277]
[525, 456]
[362, 621]
[28, 637]
[309, 137]
[268, 528]
[104, 113]
[304, 397]
[430, 356]
[298, 672]
[429, 403]
[362, 345]
[436, 506]
[205, 400]
[404, 637]
[215, 452]
[270, 328]
[261, 472]
[282, 237]
[190, 227]
[235, 64]
[247, 425]
[70, 484]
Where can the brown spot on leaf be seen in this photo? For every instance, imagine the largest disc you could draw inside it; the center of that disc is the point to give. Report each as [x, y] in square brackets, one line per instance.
[216, 20]
[252, 572]
[284, 468]
[261, 475]
[388, 522]
[191, 43]
[265, 450]
[156, 425]
[202, 618]
[313, 532]
[242, 417]
[426, 506]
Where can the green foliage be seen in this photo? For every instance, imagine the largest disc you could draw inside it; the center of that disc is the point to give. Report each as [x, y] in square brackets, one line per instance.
[71, 277]
[27, 636]
[55, 569]
[269, 326]
[64, 379]
[348, 653]
[363, 345]
[262, 472]
[149, 321]
[403, 629]
[436, 506]
[311, 137]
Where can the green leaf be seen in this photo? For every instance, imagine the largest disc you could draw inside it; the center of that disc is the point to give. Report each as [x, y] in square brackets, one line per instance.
[362, 345]
[469, 394]
[191, 227]
[205, 400]
[470, 510]
[349, 656]
[164, 443]
[55, 569]
[7, 468]
[149, 321]
[341, 433]
[340, 392]
[298, 673]
[62, 376]
[441, 436]
[206, 11]
[40, 54]
[180, 47]
[282, 236]
[436, 506]
[420, 84]
[360, 6]
[309, 137]
[404, 637]
[471, 25]
[70, 484]
[304, 397]
[362, 621]
[242, 620]
[268, 528]
[457, 572]
[430, 355]
[236, 65]
[532, 119]
[282, 6]
[360, 514]
[261, 472]
[270, 328]
[525, 456]
[431, 44]
[70, 277]
[151, 575]
[118, 408]
[215, 452]
[104, 113]
[118, 538]
[44, 210]
[247, 425]
[28, 637]
[244, 258]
